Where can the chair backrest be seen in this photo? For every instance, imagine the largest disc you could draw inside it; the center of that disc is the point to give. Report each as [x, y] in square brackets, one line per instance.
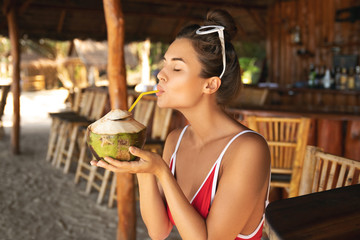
[161, 123]
[87, 99]
[76, 101]
[323, 171]
[287, 139]
[99, 104]
[143, 111]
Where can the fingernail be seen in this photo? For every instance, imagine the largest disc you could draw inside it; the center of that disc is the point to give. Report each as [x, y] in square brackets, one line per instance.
[132, 149]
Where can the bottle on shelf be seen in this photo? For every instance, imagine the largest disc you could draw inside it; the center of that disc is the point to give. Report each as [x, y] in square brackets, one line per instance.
[332, 79]
[311, 77]
[343, 79]
[337, 78]
[327, 79]
[351, 79]
[317, 78]
[357, 77]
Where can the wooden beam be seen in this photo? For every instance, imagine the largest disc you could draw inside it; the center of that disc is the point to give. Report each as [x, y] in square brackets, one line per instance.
[24, 6]
[118, 98]
[208, 4]
[258, 20]
[61, 21]
[126, 12]
[15, 53]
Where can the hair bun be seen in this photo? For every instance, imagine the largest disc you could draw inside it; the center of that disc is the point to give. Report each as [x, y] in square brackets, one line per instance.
[223, 18]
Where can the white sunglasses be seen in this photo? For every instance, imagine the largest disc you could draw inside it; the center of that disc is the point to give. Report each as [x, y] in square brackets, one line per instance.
[220, 30]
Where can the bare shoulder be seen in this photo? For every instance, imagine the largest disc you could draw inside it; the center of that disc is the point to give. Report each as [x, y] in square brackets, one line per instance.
[170, 144]
[248, 152]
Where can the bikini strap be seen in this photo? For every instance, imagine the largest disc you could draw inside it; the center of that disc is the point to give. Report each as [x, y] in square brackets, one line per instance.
[180, 137]
[173, 157]
[218, 161]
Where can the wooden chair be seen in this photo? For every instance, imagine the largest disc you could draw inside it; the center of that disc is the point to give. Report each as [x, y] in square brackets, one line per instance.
[287, 139]
[68, 140]
[323, 171]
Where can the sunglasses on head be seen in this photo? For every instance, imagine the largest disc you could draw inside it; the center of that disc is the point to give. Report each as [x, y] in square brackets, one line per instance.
[220, 30]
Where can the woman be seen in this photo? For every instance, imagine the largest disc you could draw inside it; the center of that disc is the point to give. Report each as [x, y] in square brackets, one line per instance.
[213, 178]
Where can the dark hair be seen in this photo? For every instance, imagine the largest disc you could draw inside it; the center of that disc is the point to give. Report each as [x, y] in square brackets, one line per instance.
[209, 51]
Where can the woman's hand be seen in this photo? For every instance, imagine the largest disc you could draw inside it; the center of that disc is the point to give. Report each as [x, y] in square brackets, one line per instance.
[148, 162]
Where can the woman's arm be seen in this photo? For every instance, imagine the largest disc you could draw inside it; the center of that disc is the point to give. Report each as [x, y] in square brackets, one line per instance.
[152, 207]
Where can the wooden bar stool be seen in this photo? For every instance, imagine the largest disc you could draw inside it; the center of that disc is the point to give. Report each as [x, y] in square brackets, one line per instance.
[65, 127]
[79, 101]
[96, 178]
[69, 142]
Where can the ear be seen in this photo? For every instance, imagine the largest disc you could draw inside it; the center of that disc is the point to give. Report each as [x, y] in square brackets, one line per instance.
[212, 85]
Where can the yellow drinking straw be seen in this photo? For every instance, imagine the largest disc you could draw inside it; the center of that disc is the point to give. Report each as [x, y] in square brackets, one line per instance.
[139, 97]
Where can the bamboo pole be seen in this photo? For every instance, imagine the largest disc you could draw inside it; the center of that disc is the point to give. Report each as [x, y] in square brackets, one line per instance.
[118, 99]
[15, 53]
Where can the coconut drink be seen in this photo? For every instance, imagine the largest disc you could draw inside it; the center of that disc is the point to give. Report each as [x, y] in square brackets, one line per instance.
[113, 134]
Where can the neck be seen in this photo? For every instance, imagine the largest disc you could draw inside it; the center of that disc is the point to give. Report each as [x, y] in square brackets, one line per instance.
[205, 119]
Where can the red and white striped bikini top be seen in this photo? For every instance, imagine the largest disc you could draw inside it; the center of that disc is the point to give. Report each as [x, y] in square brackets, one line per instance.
[204, 197]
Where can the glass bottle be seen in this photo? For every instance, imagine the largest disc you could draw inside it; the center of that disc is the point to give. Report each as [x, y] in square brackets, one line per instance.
[327, 79]
[311, 77]
[351, 79]
[337, 78]
[343, 79]
[357, 77]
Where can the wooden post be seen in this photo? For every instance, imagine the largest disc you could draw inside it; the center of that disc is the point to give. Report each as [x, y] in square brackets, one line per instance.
[10, 11]
[118, 99]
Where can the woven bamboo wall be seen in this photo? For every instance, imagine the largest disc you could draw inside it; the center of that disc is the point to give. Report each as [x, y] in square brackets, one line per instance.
[319, 35]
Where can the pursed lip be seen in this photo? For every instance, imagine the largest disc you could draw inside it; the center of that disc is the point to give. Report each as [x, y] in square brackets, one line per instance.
[160, 89]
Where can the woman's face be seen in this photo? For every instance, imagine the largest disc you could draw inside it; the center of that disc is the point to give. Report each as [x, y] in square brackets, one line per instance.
[179, 83]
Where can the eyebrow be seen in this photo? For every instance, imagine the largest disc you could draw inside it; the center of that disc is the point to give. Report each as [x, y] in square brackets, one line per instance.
[176, 59]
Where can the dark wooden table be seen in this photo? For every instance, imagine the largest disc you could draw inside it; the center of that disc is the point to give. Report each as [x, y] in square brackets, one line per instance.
[333, 214]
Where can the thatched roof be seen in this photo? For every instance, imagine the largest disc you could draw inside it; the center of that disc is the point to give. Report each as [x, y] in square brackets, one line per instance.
[158, 19]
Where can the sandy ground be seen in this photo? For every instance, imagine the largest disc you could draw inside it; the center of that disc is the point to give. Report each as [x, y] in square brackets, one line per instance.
[38, 201]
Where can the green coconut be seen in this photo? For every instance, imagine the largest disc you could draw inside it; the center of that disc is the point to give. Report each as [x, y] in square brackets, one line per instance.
[113, 134]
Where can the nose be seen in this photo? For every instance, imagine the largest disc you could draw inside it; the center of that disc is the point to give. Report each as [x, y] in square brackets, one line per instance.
[161, 76]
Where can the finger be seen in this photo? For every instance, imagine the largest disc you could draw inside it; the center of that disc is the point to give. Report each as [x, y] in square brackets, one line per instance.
[146, 155]
[93, 162]
[112, 161]
[110, 167]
